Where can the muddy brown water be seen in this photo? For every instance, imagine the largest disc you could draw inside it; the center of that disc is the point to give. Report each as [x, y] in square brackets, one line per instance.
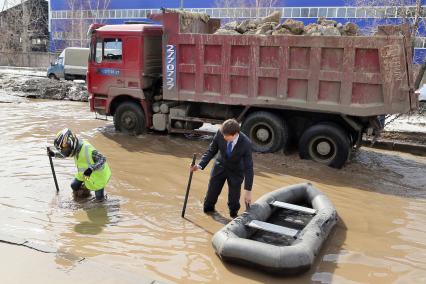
[138, 233]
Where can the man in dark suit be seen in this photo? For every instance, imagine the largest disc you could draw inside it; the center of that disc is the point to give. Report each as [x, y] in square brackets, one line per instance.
[233, 164]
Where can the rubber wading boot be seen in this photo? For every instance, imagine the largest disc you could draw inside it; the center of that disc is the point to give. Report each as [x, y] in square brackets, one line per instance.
[83, 192]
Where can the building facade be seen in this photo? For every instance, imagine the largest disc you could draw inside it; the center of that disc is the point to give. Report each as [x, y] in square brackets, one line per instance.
[24, 27]
[69, 19]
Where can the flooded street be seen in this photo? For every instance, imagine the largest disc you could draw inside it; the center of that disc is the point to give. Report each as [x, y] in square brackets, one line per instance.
[138, 234]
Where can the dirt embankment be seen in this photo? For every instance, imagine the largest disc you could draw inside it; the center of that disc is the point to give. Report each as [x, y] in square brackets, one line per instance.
[407, 128]
[43, 88]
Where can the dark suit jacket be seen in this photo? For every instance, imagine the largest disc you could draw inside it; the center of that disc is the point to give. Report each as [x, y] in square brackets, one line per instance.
[238, 165]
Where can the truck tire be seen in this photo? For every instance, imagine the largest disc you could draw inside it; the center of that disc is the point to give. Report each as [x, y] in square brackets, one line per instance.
[267, 131]
[52, 76]
[129, 118]
[326, 143]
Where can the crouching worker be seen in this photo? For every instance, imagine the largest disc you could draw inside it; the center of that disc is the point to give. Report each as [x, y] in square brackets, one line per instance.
[93, 171]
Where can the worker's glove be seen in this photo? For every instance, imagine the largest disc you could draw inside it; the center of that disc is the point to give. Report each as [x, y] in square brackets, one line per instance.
[88, 172]
[50, 153]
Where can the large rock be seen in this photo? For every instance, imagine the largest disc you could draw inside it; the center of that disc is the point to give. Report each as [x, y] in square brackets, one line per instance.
[274, 17]
[350, 29]
[296, 27]
[313, 30]
[250, 32]
[226, 32]
[330, 31]
[230, 26]
[281, 31]
[243, 26]
[44, 88]
[264, 28]
[324, 22]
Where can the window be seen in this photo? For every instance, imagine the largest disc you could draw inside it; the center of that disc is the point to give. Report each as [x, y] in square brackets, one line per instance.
[419, 42]
[380, 12]
[350, 13]
[287, 12]
[296, 12]
[331, 13]
[390, 12]
[360, 12]
[304, 12]
[246, 13]
[322, 12]
[370, 13]
[313, 13]
[252, 13]
[341, 12]
[401, 12]
[98, 52]
[112, 49]
[411, 12]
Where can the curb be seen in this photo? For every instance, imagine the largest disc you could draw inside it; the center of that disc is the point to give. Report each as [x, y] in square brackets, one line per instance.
[415, 149]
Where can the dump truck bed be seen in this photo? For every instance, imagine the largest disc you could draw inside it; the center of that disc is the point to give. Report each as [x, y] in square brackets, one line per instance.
[353, 75]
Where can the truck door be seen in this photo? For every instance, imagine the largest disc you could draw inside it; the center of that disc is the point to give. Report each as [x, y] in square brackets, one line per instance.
[107, 65]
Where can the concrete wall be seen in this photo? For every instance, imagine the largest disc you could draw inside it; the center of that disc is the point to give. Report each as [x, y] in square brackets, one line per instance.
[30, 59]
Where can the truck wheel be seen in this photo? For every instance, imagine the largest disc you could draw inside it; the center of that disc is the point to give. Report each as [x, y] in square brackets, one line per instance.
[129, 118]
[267, 131]
[52, 76]
[325, 143]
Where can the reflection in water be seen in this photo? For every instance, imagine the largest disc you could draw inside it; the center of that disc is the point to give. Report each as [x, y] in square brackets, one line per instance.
[98, 218]
[379, 197]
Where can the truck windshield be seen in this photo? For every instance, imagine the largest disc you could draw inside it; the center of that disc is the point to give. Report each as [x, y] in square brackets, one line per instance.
[109, 49]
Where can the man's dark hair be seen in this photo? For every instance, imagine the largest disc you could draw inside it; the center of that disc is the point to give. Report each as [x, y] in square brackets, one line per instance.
[230, 127]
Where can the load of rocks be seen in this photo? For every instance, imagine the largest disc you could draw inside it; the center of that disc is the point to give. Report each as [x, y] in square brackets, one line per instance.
[44, 88]
[271, 25]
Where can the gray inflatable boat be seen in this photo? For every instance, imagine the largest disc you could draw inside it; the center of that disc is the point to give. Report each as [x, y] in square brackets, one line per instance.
[281, 233]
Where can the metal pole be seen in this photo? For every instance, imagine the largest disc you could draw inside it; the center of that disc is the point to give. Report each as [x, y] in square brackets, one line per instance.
[53, 170]
[189, 186]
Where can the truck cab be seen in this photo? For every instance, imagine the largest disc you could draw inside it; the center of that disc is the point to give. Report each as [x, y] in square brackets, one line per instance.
[124, 64]
[56, 69]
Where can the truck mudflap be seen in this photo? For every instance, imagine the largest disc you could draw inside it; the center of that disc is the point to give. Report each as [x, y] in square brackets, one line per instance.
[414, 100]
[91, 103]
[146, 106]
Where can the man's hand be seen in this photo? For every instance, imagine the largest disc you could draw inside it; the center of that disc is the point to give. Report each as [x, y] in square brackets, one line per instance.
[50, 153]
[88, 172]
[194, 168]
[247, 198]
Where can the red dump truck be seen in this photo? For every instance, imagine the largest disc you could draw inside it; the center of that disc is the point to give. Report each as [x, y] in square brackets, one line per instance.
[321, 93]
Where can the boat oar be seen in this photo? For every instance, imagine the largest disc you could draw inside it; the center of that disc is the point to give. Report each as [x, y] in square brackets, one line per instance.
[53, 169]
[189, 186]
